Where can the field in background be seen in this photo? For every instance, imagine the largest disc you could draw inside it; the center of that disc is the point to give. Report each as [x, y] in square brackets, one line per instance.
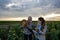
[13, 31]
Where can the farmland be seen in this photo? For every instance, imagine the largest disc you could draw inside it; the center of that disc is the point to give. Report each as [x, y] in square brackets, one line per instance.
[13, 31]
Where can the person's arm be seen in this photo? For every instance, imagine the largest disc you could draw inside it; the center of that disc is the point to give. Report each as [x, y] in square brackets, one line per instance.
[44, 30]
[34, 31]
[30, 30]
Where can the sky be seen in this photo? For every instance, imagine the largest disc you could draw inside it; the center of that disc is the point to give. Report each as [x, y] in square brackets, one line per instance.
[21, 9]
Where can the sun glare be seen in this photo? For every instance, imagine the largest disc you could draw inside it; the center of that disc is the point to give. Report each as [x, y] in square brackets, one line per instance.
[51, 15]
[46, 17]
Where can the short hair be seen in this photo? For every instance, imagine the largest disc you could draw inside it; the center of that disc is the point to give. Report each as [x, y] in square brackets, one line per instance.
[25, 22]
[29, 17]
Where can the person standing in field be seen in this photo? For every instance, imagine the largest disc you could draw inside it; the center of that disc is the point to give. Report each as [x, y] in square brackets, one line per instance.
[40, 29]
[28, 34]
[43, 28]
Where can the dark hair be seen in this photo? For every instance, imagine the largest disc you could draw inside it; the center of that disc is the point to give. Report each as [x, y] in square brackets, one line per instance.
[42, 22]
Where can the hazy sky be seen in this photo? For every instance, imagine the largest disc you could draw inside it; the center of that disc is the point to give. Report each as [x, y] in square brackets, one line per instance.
[25, 8]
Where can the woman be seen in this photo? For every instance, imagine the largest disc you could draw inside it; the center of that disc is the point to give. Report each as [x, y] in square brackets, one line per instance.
[40, 29]
[43, 28]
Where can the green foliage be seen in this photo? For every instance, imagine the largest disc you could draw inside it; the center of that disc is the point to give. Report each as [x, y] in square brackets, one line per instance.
[53, 30]
[16, 33]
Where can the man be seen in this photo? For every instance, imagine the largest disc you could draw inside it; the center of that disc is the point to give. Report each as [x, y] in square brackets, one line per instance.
[28, 34]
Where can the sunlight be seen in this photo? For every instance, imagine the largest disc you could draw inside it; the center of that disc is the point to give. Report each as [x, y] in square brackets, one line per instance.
[51, 15]
[18, 19]
[48, 17]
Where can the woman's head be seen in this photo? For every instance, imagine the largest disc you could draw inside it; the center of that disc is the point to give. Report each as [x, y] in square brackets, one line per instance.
[24, 23]
[41, 21]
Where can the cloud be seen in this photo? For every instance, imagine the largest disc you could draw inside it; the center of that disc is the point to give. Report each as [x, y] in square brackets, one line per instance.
[34, 12]
[24, 8]
[3, 3]
[26, 4]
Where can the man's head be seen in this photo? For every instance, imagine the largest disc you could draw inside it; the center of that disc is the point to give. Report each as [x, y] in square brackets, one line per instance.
[30, 19]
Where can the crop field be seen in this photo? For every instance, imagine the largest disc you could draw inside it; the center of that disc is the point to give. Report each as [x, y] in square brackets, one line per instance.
[9, 30]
